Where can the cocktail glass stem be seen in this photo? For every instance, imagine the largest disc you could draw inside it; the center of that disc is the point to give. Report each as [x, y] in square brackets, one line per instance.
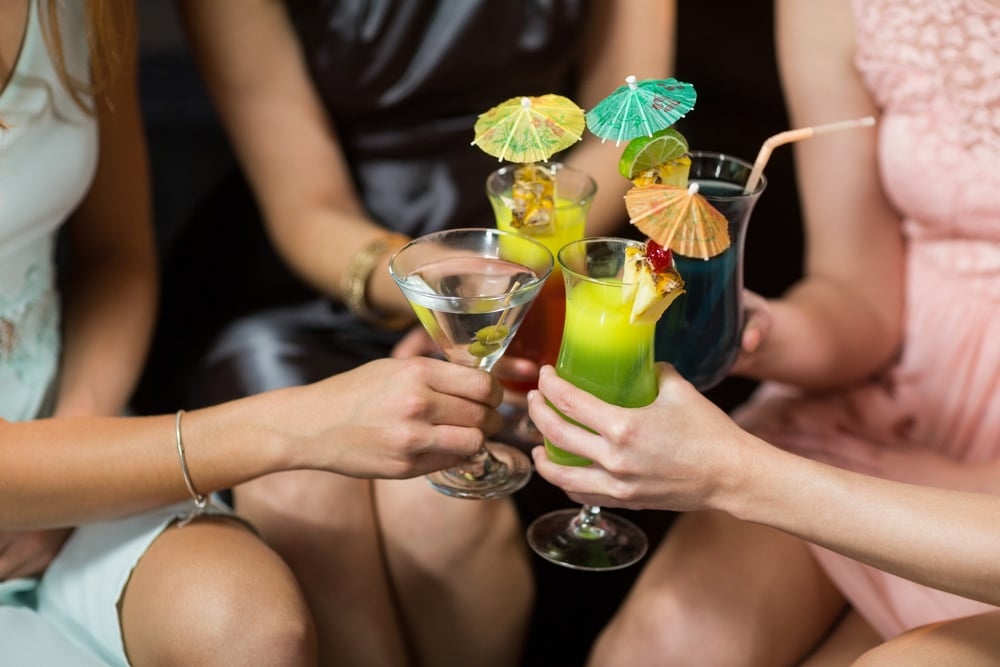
[479, 466]
[588, 524]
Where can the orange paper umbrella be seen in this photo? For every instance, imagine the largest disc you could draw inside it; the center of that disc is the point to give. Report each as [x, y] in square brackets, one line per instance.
[679, 219]
[529, 129]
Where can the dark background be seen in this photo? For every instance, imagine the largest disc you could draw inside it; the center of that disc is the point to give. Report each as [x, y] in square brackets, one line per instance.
[724, 48]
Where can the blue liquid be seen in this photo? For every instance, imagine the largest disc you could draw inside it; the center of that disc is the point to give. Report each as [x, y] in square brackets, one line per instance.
[699, 333]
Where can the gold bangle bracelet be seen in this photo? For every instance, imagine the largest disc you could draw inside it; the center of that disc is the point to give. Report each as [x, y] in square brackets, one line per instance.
[200, 499]
[355, 282]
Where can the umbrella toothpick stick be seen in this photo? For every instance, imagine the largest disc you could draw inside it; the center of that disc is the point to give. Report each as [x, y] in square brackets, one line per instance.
[789, 136]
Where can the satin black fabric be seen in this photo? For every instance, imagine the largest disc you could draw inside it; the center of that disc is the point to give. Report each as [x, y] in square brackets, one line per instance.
[403, 82]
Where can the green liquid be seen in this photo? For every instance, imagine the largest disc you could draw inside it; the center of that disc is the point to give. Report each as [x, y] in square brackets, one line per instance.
[603, 354]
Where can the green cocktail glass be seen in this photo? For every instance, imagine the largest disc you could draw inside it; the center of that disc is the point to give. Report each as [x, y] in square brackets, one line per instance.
[604, 355]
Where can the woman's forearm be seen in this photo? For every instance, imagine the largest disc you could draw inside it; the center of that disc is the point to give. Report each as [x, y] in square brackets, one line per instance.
[83, 469]
[933, 536]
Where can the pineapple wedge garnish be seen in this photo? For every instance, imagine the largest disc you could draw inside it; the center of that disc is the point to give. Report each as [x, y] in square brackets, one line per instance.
[650, 289]
[672, 172]
[533, 194]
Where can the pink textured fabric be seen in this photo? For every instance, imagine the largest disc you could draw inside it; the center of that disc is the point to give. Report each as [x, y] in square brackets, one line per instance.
[934, 69]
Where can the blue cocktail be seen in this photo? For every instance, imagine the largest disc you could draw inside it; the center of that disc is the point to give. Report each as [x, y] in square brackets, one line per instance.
[699, 334]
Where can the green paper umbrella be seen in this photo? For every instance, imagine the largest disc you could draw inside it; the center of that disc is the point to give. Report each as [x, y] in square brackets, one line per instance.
[640, 108]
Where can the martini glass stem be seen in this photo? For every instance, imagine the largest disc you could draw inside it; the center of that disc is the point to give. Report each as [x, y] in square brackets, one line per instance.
[479, 465]
[588, 523]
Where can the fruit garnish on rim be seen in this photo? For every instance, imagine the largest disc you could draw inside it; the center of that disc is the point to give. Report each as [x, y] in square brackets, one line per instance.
[656, 159]
[652, 282]
[533, 193]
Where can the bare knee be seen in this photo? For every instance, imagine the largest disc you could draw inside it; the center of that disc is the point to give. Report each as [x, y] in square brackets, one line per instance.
[665, 627]
[213, 594]
[969, 641]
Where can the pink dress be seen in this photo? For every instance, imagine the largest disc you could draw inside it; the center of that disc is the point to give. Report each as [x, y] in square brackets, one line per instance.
[933, 67]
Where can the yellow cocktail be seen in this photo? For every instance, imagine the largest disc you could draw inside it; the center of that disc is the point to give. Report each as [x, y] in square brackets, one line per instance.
[573, 192]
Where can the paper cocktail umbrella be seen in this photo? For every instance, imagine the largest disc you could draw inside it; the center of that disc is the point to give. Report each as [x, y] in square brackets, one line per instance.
[679, 219]
[529, 129]
[640, 108]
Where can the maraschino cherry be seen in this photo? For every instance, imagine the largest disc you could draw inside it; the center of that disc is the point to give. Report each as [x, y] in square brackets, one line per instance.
[660, 258]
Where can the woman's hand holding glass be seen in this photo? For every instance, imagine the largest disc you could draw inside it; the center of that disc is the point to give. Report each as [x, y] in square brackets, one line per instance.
[417, 342]
[414, 415]
[678, 453]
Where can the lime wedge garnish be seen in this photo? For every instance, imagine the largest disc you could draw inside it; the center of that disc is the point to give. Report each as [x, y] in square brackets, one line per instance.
[644, 153]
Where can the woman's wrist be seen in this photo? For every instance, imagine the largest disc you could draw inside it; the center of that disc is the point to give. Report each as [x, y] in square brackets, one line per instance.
[361, 276]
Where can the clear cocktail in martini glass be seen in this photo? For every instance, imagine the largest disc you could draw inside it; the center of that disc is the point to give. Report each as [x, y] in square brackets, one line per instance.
[471, 288]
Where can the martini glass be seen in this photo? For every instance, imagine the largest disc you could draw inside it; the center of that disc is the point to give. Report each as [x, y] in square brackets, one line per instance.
[471, 288]
[605, 355]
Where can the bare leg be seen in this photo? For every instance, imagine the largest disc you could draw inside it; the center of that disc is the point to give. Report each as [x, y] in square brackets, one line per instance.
[972, 641]
[323, 525]
[722, 592]
[461, 571]
[848, 641]
[211, 593]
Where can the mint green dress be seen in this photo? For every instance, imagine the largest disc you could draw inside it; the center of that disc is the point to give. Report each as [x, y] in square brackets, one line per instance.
[48, 156]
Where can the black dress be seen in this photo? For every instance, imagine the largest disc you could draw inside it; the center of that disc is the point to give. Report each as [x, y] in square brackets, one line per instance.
[403, 82]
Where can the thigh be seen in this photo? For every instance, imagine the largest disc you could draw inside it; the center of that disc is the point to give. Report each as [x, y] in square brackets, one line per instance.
[851, 637]
[323, 525]
[310, 510]
[730, 592]
[970, 641]
[211, 592]
[461, 573]
[437, 532]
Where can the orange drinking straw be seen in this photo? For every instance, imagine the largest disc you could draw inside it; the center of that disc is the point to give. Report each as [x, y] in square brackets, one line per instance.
[788, 136]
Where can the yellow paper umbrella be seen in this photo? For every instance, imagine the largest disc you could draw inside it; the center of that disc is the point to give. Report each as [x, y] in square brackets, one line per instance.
[679, 219]
[529, 129]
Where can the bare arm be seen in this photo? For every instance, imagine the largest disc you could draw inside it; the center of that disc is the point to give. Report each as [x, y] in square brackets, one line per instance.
[388, 418]
[623, 38]
[111, 287]
[842, 321]
[299, 173]
[683, 453]
[250, 58]
[111, 294]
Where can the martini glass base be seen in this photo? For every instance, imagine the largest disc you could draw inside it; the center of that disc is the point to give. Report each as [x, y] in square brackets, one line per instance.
[611, 543]
[505, 472]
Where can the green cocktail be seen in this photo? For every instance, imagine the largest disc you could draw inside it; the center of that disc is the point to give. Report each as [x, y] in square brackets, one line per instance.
[601, 352]
[605, 355]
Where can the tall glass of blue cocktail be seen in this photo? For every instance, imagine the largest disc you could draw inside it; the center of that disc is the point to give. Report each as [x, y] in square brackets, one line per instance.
[699, 334]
